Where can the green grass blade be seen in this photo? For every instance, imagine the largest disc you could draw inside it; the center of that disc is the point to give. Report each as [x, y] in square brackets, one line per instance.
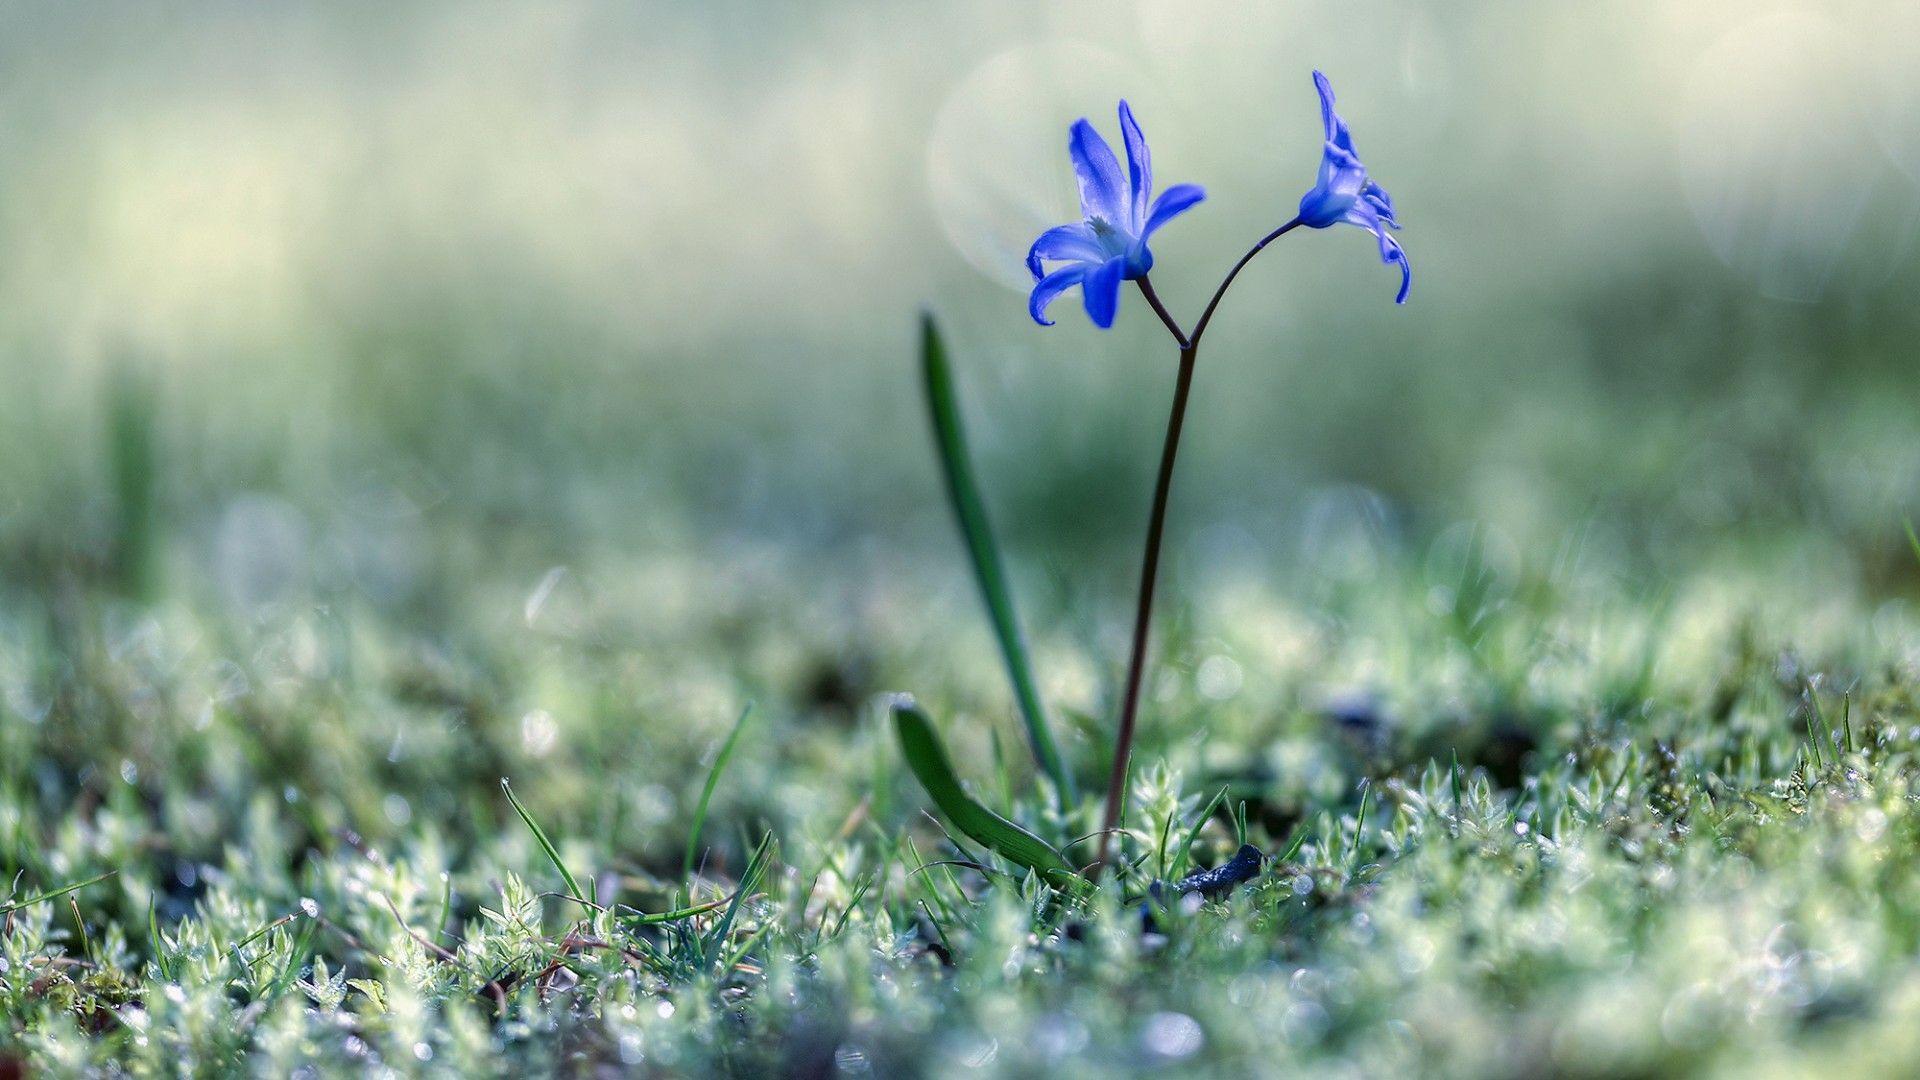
[546, 845]
[644, 918]
[1822, 738]
[1294, 845]
[1183, 855]
[271, 926]
[55, 894]
[749, 881]
[446, 904]
[706, 794]
[1459, 804]
[1359, 827]
[157, 942]
[963, 491]
[928, 760]
[1846, 718]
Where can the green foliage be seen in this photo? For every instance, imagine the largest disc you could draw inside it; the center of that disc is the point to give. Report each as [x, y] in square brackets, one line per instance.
[1632, 831]
[706, 793]
[921, 748]
[983, 551]
[10, 906]
[553, 854]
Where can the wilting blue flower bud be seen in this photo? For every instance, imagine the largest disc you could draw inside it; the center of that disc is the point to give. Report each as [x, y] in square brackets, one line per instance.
[1344, 192]
[1110, 245]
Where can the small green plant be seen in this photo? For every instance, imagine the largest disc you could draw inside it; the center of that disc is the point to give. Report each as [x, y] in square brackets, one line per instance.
[928, 760]
[1097, 255]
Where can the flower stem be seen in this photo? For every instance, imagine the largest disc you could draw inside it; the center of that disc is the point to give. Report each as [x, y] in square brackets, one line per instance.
[1160, 309]
[1156, 528]
[1143, 613]
[1207, 315]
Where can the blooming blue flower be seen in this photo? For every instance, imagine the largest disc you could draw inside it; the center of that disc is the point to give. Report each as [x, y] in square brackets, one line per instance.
[1344, 192]
[1110, 246]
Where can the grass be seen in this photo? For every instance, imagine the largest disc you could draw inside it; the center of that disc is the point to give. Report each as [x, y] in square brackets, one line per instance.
[1588, 825]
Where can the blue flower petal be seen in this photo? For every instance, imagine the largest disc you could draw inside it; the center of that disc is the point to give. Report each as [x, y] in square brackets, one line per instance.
[1101, 291]
[1139, 260]
[1391, 252]
[1342, 179]
[1382, 202]
[1103, 192]
[1051, 286]
[1139, 167]
[1172, 202]
[1337, 132]
[1344, 193]
[1367, 217]
[1075, 242]
[1109, 246]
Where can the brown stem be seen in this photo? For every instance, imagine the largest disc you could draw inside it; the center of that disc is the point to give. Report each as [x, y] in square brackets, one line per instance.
[1156, 526]
[1143, 613]
[1207, 315]
[1160, 309]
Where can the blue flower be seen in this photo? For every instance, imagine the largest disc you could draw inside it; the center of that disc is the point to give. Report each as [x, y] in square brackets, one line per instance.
[1344, 192]
[1110, 246]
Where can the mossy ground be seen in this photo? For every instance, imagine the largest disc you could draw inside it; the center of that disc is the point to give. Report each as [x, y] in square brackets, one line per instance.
[1525, 817]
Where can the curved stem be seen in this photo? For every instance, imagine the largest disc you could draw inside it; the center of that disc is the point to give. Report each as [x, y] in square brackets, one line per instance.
[1156, 528]
[1143, 613]
[1207, 315]
[1160, 309]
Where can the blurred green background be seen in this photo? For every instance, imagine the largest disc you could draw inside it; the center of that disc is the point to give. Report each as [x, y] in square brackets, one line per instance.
[396, 398]
[398, 295]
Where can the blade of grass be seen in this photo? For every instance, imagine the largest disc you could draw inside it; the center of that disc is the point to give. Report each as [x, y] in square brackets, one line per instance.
[928, 760]
[928, 882]
[1160, 844]
[156, 942]
[271, 926]
[938, 930]
[12, 906]
[853, 902]
[749, 881]
[706, 793]
[963, 491]
[643, 918]
[1822, 737]
[1846, 718]
[80, 925]
[739, 954]
[297, 957]
[546, 845]
[1183, 855]
[1626, 766]
[1359, 827]
[1293, 846]
[446, 903]
[1458, 804]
